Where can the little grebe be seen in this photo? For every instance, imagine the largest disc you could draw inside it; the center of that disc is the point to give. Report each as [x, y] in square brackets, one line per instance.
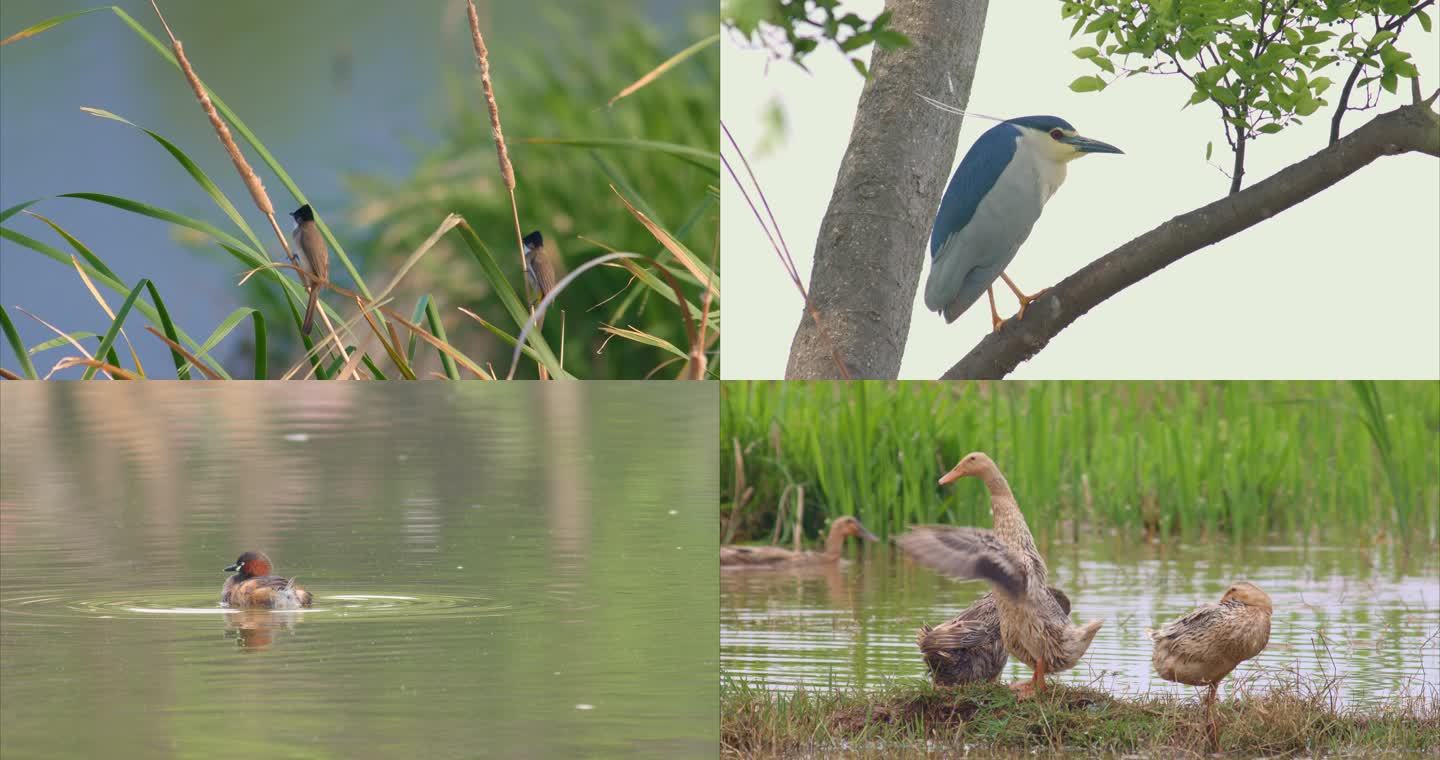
[252, 585]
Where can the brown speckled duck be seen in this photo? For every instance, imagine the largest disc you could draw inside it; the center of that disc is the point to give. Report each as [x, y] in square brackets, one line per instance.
[967, 648]
[1201, 648]
[1034, 628]
[776, 557]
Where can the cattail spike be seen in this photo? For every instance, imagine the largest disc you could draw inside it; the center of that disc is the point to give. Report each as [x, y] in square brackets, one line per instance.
[482, 56]
[252, 181]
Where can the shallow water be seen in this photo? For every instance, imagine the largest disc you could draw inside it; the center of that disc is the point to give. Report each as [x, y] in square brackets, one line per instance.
[1370, 616]
[497, 569]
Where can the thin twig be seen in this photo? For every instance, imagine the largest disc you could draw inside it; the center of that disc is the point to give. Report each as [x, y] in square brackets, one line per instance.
[781, 250]
[1344, 105]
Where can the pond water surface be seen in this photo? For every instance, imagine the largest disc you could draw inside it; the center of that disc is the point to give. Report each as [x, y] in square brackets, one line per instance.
[1369, 615]
[498, 569]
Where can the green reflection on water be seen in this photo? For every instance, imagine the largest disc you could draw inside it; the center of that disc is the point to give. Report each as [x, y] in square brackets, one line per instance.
[1369, 616]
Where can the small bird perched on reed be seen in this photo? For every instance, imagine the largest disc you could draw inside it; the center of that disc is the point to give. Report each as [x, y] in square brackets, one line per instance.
[539, 267]
[1201, 648]
[317, 256]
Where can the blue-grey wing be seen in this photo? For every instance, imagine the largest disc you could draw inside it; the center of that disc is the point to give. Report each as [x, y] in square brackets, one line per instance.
[963, 552]
[978, 171]
[987, 211]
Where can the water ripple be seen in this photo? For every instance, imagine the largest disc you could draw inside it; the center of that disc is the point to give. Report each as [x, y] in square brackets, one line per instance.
[357, 607]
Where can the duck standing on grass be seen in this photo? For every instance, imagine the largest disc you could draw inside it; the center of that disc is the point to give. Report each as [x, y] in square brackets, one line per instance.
[775, 557]
[967, 648]
[1201, 648]
[1034, 628]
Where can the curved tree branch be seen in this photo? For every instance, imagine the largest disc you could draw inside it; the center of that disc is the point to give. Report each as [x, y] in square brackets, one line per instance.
[1410, 128]
[867, 262]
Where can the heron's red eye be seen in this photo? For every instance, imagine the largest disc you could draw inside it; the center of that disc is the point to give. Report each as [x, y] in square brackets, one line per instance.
[1056, 134]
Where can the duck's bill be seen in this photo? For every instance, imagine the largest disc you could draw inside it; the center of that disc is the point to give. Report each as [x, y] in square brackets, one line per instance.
[867, 535]
[233, 568]
[1087, 145]
[949, 477]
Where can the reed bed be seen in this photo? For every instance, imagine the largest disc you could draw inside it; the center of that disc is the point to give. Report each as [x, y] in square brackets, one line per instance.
[1188, 460]
[369, 334]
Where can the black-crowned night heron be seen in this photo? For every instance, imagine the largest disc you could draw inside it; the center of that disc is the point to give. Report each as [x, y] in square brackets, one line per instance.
[992, 201]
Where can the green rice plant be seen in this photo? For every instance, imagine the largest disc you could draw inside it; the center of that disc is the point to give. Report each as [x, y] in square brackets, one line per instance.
[1377, 424]
[1184, 460]
[666, 298]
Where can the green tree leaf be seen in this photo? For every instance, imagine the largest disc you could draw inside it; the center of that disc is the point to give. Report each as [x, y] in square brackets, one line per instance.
[1090, 83]
[856, 41]
[891, 40]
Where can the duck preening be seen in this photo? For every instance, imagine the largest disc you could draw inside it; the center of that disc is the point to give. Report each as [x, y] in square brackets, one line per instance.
[967, 648]
[1202, 647]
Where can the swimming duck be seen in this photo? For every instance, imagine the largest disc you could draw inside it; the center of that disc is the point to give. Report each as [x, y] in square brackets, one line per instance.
[1201, 648]
[252, 585]
[774, 556]
[967, 648]
[1034, 628]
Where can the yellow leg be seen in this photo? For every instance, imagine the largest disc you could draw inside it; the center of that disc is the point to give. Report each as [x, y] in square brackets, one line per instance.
[995, 320]
[1211, 726]
[1025, 300]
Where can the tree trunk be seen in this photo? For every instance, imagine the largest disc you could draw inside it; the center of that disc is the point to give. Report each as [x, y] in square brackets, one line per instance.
[875, 234]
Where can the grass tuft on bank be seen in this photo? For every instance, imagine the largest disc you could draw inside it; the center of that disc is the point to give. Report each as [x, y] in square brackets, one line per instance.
[1270, 714]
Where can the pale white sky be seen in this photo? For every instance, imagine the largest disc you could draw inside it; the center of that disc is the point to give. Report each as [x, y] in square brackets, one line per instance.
[1345, 285]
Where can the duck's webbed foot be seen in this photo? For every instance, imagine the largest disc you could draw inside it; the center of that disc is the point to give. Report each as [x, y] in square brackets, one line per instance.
[1028, 689]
